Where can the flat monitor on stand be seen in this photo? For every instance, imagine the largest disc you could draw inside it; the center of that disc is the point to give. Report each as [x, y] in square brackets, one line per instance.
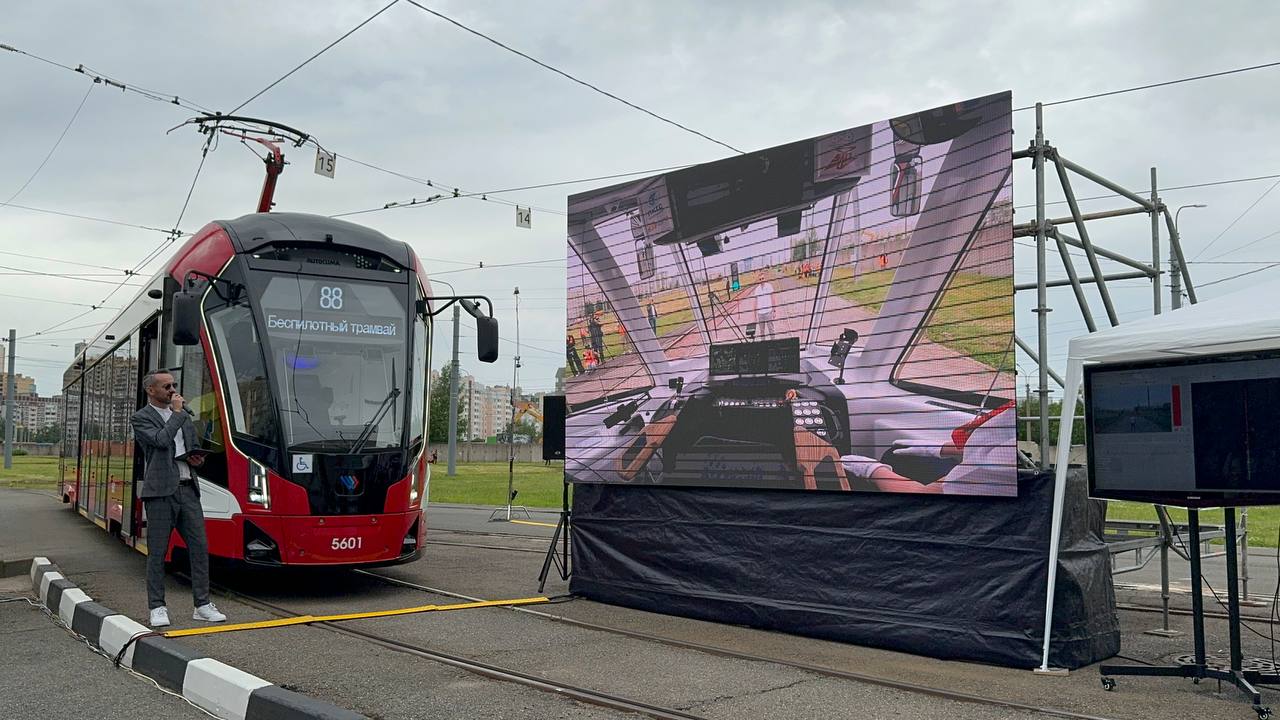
[1195, 432]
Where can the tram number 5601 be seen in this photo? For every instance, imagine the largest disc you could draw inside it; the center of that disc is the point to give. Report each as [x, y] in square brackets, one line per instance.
[349, 543]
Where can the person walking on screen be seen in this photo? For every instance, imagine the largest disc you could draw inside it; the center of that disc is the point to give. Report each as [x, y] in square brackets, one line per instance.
[571, 355]
[764, 310]
[597, 335]
[171, 494]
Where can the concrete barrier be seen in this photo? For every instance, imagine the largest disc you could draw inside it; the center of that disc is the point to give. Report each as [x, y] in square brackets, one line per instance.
[486, 452]
[37, 449]
[212, 686]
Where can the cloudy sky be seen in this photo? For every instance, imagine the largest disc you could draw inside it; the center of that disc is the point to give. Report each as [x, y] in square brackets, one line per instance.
[416, 95]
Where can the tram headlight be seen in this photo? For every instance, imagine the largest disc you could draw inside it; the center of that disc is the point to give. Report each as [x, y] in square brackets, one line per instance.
[259, 492]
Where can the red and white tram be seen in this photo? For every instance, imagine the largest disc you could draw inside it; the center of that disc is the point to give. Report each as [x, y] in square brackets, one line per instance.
[301, 344]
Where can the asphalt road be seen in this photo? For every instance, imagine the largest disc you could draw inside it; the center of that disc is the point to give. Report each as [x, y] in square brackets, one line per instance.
[46, 672]
[387, 684]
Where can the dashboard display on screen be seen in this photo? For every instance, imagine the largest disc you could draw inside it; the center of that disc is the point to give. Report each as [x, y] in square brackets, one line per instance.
[1199, 432]
[756, 358]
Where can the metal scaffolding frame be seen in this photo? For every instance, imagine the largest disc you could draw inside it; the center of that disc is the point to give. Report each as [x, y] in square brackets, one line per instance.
[1043, 229]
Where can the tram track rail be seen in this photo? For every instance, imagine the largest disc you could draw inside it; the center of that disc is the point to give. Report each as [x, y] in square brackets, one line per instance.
[481, 546]
[820, 670]
[494, 672]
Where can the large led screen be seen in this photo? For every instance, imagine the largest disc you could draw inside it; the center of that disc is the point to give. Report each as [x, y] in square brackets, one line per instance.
[830, 314]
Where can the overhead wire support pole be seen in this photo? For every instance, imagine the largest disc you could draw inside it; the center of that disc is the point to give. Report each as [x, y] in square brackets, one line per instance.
[1155, 244]
[511, 428]
[10, 404]
[1175, 248]
[453, 398]
[1042, 292]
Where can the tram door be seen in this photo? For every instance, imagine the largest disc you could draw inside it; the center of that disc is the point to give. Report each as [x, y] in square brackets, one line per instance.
[148, 362]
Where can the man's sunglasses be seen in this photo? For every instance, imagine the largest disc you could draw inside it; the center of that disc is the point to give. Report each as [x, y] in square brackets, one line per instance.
[169, 386]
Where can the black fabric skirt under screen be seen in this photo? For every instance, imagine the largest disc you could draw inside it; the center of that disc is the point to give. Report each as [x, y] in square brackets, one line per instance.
[944, 576]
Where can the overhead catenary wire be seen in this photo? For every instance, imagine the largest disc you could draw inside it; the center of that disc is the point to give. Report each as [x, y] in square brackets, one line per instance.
[64, 262]
[50, 300]
[1149, 86]
[322, 51]
[53, 149]
[173, 235]
[570, 77]
[98, 78]
[91, 218]
[1108, 196]
[175, 100]
[1232, 224]
[64, 276]
[1236, 276]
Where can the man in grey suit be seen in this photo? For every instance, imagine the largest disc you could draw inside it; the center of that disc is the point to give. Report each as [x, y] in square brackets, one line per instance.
[171, 494]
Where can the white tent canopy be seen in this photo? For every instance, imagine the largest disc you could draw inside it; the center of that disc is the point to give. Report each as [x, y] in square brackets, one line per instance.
[1241, 321]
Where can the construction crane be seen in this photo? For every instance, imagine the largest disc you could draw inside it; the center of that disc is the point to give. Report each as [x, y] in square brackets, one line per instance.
[526, 408]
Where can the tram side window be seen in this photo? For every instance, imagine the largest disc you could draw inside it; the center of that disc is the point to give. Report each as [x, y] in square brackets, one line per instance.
[421, 346]
[202, 399]
[244, 373]
[71, 431]
[122, 390]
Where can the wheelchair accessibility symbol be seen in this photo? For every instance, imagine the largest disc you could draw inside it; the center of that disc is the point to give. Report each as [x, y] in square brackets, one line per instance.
[302, 464]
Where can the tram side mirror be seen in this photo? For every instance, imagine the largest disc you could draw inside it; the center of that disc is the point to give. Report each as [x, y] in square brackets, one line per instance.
[186, 317]
[904, 187]
[487, 339]
[645, 263]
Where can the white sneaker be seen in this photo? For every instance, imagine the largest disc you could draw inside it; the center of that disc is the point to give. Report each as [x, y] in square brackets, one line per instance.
[160, 617]
[208, 613]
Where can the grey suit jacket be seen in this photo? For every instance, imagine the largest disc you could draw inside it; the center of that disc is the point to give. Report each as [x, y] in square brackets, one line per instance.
[160, 474]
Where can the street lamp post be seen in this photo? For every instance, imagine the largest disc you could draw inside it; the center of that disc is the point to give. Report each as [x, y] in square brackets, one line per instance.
[1175, 283]
[453, 389]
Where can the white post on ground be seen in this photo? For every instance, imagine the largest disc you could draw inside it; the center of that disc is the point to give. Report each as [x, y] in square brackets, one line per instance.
[10, 404]
[453, 399]
[511, 428]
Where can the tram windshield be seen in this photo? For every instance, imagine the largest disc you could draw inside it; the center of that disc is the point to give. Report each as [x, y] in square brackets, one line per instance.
[337, 357]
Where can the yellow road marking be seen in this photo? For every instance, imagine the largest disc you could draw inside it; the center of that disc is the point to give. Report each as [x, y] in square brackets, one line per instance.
[534, 522]
[306, 619]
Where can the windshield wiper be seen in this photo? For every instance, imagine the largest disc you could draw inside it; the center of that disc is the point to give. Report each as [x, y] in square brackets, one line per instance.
[365, 434]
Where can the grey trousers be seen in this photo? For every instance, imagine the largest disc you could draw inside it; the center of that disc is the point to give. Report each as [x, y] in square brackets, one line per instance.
[180, 511]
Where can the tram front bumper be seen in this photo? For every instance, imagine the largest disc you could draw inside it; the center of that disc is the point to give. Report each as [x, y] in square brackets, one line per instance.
[332, 539]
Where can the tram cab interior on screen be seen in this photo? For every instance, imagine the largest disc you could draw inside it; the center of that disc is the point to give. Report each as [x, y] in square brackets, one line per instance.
[740, 356]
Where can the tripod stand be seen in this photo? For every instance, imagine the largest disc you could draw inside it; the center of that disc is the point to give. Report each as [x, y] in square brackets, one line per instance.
[560, 556]
[1200, 669]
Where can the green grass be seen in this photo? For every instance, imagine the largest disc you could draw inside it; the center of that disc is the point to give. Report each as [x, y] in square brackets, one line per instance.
[31, 471]
[1264, 522]
[475, 483]
[540, 486]
[974, 316]
[486, 484]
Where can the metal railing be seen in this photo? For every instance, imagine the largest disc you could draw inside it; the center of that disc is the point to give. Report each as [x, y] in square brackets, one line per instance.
[1150, 539]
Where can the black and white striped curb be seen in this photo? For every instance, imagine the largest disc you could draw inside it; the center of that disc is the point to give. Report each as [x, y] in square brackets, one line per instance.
[213, 686]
